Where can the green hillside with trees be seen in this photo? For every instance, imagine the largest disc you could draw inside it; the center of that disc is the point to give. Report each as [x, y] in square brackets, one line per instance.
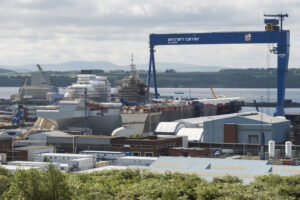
[52, 184]
[227, 78]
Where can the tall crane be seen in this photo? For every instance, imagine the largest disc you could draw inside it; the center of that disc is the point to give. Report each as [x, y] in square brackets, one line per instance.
[22, 89]
[53, 90]
[280, 16]
[272, 34]
[44, 75]
[213, 93]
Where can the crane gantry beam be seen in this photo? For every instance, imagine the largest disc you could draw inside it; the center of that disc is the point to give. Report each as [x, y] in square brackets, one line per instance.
[272, 34]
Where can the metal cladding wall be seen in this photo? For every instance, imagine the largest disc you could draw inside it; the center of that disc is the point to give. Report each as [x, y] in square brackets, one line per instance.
[154, 145]
[278, 129]
[249, 130]
[189, 152]
[5, 144]
[80, 143]
[214, 129]
[79, 140]
[17, 155]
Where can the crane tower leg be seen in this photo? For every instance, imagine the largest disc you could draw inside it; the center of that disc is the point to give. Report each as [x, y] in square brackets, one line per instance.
[282, 61]
[152, 65]
[149, 74]
[154, 76]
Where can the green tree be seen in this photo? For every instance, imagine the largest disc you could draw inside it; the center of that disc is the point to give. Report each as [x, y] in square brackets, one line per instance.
[4, 184]
[28, 184]
[57, 185]
[5, 172]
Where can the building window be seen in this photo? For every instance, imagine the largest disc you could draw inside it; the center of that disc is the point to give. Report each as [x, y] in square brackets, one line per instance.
[136, 153]
[185, 154]
[161, 146]
[253, 139]
[117, 146]
[149, 154]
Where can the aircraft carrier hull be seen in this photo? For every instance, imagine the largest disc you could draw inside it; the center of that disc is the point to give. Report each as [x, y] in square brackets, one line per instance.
[175, 112]
[100, 125]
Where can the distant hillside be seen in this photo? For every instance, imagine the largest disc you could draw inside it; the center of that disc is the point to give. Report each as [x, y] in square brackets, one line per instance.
[108, 66]
[181, 67]
[3, 70]
[226, 78]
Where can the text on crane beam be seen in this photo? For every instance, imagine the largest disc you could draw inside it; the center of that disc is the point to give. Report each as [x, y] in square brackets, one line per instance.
[182, 39]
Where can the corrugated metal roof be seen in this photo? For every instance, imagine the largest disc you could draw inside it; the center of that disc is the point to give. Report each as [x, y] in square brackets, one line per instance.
[200, 120]
[212, 167]
[266, 118]
[32, 148]
[249, 115]
[193, 134]
[5, 135]
[137, 158]
[43, 135]
[168, 127]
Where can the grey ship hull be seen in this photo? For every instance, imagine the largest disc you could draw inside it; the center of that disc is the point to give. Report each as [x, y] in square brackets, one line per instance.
[100, 125]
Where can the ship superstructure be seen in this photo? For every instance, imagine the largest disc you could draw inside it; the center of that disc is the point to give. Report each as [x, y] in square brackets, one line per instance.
[86, 105]
[98, 87]
[102, 117]
[132, 88]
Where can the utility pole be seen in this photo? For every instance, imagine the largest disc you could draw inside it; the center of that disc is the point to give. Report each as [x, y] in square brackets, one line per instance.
[85, 112]
[262, 134]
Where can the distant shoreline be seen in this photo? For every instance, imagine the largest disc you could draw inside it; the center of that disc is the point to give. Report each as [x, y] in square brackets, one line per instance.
[227, 78]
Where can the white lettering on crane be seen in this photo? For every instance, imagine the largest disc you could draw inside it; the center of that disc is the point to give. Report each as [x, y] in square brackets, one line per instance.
[182, 39]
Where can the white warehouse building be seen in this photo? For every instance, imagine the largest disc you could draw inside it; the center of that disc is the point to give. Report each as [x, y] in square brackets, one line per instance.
[76, 162]
[243, 128]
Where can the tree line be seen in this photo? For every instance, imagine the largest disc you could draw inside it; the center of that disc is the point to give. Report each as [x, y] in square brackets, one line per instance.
[228, 78]
[52, 184]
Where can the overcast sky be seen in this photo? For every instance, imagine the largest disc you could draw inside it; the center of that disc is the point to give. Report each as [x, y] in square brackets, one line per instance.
[54, 31]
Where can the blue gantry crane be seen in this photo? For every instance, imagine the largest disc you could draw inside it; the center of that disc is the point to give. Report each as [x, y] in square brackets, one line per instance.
[273, 33]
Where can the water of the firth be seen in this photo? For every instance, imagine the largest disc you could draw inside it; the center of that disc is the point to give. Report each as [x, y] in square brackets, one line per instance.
[248, 94]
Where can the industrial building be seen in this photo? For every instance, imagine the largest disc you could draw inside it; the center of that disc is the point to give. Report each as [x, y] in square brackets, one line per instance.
[5, 142]
[77, 143]
[76, 162]
[242, 128]
[169, 128]
[110, 156]
[28, 153]
[295, 134]
[38, 139]
[149, 146]
[39, 165]
[189, 152]
[13, 168]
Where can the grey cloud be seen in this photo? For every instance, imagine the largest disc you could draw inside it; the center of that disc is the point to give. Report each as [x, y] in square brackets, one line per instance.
[79, 22]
